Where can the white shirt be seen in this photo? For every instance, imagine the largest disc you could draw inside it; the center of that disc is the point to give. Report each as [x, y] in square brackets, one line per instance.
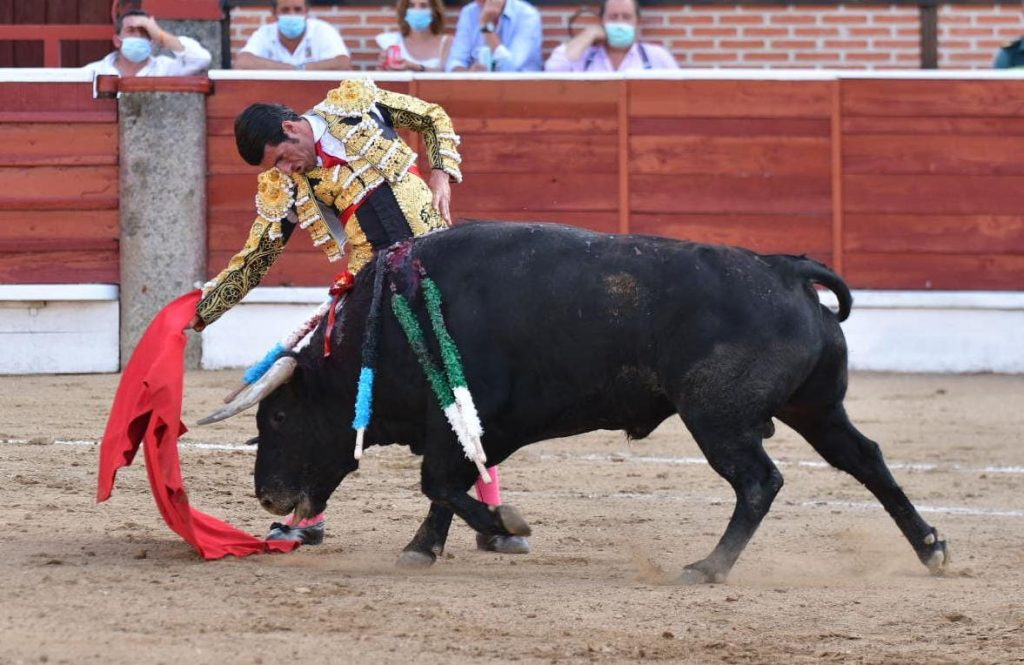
[320, 42]
[194, 59]
[388, 39]
[328, 142]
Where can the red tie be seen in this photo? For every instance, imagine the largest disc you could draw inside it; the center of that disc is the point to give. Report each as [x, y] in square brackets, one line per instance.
[326, 159]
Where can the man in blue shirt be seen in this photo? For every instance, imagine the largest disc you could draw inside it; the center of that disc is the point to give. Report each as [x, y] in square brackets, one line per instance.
[497, 35]
[1010, 56]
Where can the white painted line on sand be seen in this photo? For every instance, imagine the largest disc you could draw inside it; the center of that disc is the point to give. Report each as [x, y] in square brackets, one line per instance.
[615, 457]
[656, 497]
[661, 496]
[809, 464]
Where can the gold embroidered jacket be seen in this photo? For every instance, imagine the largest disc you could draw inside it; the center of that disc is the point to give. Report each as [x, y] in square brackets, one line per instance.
[372, 160]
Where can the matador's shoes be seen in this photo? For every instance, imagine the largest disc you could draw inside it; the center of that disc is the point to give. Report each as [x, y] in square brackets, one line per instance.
[503, 544]
[308, 534]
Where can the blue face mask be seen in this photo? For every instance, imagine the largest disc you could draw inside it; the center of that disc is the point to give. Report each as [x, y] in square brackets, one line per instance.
[291, 25]
[419, 19]
[136, 49]
[620, 35]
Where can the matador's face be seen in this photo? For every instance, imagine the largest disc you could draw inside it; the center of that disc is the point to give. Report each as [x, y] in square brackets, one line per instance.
[297, 154]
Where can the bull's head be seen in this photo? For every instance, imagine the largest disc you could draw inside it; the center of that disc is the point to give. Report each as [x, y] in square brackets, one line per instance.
[305, 442]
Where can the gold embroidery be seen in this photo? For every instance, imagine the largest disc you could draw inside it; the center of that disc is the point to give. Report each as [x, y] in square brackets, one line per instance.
[433, 123]
[351, 99]
[243, 273]
[274, 195]
[310, 218]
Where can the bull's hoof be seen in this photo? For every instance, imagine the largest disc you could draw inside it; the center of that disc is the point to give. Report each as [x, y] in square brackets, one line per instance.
[692, 576]
[513, 521]
[502, 544]
[415, 559]
[938, 558]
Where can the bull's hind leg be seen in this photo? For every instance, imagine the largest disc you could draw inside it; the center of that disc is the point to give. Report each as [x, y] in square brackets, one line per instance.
[829, 430]
[738, 457]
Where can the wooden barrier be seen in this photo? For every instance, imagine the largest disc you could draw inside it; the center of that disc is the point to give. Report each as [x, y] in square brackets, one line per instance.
[932, 176]
[900, 183]
[59, 200]
[54, 38]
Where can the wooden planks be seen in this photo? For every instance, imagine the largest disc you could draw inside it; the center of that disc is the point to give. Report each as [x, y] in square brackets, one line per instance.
[786, 234]
[729, 99]
[38, 144]
[743, 163]
[933, 177]
[921, 98]
[58, 207]
[54, 102]
[930, 154]
[922, 176]
[936, 234]
[916, 270]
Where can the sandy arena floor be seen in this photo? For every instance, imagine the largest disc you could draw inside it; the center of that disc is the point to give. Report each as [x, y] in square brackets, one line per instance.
[828, 578]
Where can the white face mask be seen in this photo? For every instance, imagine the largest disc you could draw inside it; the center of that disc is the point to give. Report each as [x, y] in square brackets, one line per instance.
[291, 25]
[136, 49]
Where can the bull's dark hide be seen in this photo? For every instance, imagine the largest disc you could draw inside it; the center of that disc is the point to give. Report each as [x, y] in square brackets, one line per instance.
[564, 331]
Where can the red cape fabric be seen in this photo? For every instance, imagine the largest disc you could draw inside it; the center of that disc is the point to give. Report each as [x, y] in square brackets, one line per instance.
[147, 410]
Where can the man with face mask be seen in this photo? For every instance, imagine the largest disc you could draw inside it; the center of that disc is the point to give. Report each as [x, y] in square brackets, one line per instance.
[137, 37]
[294, 41]
[610, 45]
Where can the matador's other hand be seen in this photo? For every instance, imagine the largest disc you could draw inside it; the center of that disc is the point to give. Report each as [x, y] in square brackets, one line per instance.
[442, 189]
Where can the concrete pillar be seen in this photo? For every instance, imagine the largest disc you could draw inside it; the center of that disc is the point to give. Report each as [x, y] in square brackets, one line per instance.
[207, 33]
[163, 207]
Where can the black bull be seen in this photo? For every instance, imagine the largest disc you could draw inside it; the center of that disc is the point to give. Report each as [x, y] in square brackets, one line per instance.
[564, 331]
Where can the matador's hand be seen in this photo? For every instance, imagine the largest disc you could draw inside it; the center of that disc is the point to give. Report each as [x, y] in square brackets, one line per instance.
[442, 189]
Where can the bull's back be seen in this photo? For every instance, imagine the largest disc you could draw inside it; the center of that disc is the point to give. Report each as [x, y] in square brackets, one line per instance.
[573, 330]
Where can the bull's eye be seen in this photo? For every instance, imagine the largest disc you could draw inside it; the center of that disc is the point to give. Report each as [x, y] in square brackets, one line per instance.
[277, 419]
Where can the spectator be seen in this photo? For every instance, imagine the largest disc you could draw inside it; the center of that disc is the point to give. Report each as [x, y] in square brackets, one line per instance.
[294, 41]
[497, 35]
[137, 36]
[420, 43]
[581, 19]
[610, 46]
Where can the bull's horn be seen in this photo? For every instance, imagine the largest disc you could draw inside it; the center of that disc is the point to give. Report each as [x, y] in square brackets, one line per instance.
[278, 374]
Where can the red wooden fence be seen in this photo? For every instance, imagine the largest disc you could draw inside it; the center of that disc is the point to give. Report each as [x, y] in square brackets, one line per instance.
[899, 183]
[59, 200]
[53, 38]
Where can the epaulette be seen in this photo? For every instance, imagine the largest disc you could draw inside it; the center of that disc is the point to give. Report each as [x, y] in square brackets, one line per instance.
[274, 195]
[351, 99]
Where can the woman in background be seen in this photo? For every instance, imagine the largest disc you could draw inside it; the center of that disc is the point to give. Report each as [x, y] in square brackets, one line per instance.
[420, 44]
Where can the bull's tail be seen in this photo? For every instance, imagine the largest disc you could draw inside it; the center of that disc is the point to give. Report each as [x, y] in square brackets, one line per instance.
[813, 271]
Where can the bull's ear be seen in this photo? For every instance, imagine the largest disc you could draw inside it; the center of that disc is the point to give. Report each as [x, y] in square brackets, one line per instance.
[254, 441]
[278, 374]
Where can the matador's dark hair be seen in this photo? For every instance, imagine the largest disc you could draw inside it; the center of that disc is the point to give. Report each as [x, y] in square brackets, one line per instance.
[259, 126]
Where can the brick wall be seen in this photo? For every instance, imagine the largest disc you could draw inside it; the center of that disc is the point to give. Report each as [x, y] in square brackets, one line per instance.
[855, 36]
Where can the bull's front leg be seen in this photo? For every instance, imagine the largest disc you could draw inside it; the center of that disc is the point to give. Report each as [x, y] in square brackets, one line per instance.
[428, 543]
[446, 480]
